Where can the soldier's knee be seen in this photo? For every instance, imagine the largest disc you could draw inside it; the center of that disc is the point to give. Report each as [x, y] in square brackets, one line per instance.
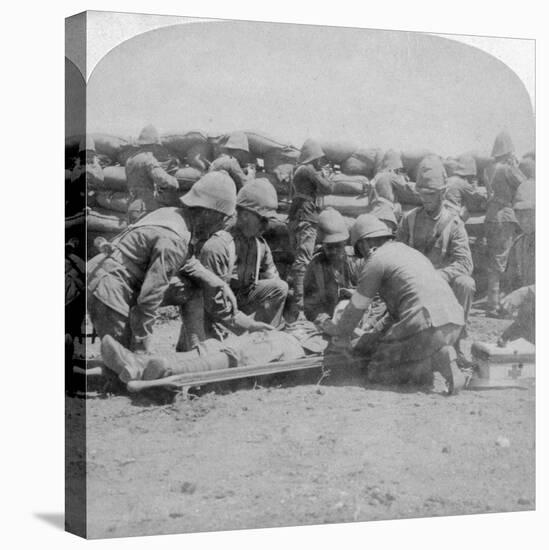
[279, 288]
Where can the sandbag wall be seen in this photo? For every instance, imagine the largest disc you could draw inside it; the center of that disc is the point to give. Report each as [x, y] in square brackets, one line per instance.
[188, 155]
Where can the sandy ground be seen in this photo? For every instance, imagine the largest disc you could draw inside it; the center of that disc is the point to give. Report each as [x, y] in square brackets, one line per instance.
[289, 451]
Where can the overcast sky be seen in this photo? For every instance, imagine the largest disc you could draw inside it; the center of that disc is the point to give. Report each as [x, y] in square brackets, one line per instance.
[377, 88]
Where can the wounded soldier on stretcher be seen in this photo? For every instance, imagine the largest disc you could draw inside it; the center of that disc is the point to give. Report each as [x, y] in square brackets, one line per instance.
[296, 341]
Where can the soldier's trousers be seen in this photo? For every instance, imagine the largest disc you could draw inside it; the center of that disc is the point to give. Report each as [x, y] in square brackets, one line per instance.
[412, 359]
[189, 298]
[302, 242]
[499, 239]
[464, 289]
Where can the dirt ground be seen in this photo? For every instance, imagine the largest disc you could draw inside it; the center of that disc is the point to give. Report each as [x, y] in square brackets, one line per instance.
[290, 451]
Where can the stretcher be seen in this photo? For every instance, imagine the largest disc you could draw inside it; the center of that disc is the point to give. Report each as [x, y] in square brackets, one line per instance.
[181, 383]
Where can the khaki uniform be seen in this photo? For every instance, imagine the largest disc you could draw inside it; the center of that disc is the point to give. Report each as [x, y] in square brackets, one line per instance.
[322, 283]
[248, 266]
[310, 186]
[425, 313]
[444, 241]
[126, 288]
[147, 180]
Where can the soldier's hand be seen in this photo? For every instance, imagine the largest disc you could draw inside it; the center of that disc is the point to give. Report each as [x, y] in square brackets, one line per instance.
[229, 296]
[258, 326]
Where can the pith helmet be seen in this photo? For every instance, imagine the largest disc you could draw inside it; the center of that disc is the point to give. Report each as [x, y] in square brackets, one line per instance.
[237, 140]
[431, 174]
[215, 191]
[87, 144]
[332, 226]
[467, 166]
[148, 136]
[368, 226]
[311, 150]
[502, 145]
[391, 160]
[258, 196]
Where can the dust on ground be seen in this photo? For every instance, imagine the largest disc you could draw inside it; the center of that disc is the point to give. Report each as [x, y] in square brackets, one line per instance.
[289, 451]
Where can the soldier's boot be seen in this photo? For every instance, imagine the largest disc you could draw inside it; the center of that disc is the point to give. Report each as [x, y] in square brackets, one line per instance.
[445, 362]
[298, 278]
[127, 365]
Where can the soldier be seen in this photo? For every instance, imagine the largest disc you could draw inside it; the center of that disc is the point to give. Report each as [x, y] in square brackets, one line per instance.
[127, 281]
[146, 178]
[500, 221]
[232, 158]
[461, 189]
[310, 183]
[333, 272]
[439, 234]
[243, 258]
[426, 317]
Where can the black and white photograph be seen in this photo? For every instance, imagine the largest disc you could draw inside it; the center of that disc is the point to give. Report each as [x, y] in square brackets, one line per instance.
[299, 274]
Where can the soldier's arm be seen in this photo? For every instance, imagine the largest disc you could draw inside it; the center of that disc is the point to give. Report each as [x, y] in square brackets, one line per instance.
[160, 177]
[166, 258]
[268, 268]
[323, 185]
[459, 253]
[237, 174]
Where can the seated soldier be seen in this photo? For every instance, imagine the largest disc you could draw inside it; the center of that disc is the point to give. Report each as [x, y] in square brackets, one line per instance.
[439, 234]
[426, 317]
[333, 272]
[243, 258]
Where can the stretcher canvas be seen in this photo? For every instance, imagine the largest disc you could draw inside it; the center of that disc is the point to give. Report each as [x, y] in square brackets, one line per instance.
[299, 275]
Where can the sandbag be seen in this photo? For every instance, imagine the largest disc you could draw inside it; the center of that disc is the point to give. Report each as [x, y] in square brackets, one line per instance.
[275, 157]
[179, 144]
[111, 222]
[115, 178]
[337, 151]
[259, 144]
[113, 200]
[363, 162]
[105, 144]
[347, 206]
[350, 185]
[186, 177]
[411, 160]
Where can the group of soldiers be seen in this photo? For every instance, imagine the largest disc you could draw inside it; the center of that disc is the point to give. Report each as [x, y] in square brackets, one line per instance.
[400, 285]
